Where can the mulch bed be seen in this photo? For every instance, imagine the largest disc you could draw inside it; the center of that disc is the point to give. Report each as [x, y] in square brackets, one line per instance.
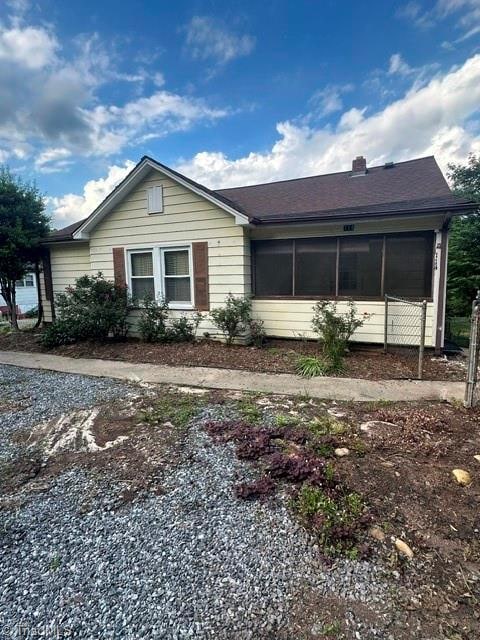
[279, 356]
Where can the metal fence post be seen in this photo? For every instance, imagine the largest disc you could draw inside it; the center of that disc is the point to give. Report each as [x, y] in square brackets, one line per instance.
[473, 354]
[385, 327]
[421, 350]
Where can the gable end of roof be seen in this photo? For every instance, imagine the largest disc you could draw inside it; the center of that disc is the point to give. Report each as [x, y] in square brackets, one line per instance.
[135, 176]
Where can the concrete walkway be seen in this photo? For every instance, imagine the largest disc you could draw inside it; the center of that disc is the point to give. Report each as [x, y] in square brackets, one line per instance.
[327, 388]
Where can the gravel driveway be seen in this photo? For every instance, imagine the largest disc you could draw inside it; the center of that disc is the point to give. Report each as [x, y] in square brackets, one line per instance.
[192, 563]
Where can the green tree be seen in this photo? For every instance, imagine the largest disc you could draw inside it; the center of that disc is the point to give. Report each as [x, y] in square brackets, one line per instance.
[464, 244]
[23, 223]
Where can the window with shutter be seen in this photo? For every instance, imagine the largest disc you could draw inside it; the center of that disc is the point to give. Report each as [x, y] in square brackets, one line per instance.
[162, 272]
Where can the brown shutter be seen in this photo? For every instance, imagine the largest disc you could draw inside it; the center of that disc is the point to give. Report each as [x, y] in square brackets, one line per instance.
[47, 280]
[200, 275]
[47, 275]
[119, 266]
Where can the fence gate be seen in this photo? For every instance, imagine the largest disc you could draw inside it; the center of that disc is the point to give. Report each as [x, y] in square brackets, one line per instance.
[405, 322]
[472, 391]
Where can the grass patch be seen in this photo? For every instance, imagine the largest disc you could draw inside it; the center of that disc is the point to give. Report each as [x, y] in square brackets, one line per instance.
[327, 425]
[334, 518]
[178, 409]
[284, 420]
[249, 410]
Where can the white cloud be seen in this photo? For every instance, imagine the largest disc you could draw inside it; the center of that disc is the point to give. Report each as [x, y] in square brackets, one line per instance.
[50, 102]
[73, 207]
[30, 47]
[149, 117]
[208, 40]
[53, 160]
[432, 119]
[465, 12]
[398, 66]
[328, 100]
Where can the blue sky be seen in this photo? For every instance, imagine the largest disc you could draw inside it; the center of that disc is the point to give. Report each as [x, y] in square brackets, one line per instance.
[231, 92]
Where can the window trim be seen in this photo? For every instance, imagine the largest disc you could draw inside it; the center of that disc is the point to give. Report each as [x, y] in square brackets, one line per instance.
[179, 304]
[338, 297]
[158, 270]
[22, 282]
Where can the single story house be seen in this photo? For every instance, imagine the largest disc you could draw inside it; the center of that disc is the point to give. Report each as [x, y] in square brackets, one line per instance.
[357, 234]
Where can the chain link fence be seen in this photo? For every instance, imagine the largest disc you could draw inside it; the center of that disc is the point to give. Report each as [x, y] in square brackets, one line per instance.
[405, 322]
[472, 391]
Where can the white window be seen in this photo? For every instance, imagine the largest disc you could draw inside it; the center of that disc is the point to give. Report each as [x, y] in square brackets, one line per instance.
[176, 276]
[155, 199]
[27, 281]
[163, 272]
[142, 280]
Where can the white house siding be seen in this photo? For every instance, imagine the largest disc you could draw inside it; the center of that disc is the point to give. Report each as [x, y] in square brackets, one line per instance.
[186, 218]
[292, 318]
[68, 261]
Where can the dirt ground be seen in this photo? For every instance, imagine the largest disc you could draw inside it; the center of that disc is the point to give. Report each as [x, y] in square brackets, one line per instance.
[279, 356]
[400, 460]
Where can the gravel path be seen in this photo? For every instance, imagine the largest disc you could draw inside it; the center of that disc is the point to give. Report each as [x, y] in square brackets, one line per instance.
[192, 563]
[39, 395]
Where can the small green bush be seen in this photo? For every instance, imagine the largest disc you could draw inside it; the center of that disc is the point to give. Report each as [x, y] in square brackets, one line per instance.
[93, 309]
[184, 328]
[334, 330]
[57, 333]
[258, 335]
[152, 324]
[232, 319]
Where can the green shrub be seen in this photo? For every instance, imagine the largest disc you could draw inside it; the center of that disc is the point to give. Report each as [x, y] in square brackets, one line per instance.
[56, 334]
[335, 330]
[93, 309]
[184, 328]
[152, 324]
[258, 335]
[232, 319]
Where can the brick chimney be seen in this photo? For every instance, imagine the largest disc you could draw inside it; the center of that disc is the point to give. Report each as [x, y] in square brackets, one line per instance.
[359, 165]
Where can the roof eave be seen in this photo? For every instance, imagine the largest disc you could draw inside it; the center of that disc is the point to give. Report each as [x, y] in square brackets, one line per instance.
[296, 219]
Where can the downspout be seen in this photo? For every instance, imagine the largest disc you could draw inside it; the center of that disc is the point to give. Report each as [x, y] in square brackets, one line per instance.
[442, 286]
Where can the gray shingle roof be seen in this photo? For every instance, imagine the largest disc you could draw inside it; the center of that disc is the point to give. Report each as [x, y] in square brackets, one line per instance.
[415, 183]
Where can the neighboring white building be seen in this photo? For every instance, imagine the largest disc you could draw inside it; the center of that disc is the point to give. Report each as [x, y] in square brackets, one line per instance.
[26, 293]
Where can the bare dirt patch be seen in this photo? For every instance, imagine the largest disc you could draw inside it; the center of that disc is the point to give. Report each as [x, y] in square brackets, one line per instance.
[279, 356]
[131, 441]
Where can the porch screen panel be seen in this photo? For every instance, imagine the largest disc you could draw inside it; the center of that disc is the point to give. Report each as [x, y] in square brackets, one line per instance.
[409, 265]
[315, 266]
[360, 266]
[273, 267]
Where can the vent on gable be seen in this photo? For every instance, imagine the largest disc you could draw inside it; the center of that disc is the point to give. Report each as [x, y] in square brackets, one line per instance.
[155, 199]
